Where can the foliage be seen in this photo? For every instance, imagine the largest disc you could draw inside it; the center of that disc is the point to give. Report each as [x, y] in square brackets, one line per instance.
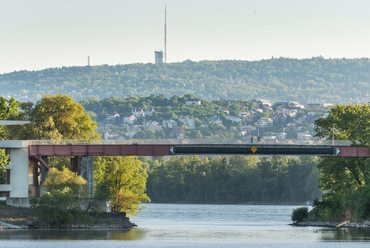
[335, 80]
[4, 161]
[242, 179]
[61, 205]
[55, 117]
[8, 109]
[345, 181]
[122, 180]
[300, 214]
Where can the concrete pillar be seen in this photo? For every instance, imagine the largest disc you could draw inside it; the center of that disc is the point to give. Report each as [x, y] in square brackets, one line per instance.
[19, 172]
[35, 177]
[87, 172]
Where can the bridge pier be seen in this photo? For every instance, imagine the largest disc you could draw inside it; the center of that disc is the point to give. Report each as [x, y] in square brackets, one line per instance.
[16, 187]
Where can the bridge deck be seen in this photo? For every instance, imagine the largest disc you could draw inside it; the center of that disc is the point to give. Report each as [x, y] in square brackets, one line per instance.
[193, 149]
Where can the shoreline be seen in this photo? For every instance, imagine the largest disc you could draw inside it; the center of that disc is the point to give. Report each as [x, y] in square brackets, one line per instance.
[334, 224]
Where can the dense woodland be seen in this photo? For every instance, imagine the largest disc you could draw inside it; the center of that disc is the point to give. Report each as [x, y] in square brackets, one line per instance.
[235, 179]
[277, 79]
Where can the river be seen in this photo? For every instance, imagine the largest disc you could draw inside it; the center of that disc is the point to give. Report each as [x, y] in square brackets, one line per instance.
[197, 225]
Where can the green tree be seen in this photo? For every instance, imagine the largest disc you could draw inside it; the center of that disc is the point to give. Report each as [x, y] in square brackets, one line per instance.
[8, 110]
[61, 205]
[122, 180]
[4, 161]
[55, 117]
[345, 181]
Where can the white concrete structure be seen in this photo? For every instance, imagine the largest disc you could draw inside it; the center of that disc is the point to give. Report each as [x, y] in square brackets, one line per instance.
[9, 122]
[18, 151]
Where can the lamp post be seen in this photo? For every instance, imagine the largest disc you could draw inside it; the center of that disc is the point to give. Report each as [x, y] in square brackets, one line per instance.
[333, 135]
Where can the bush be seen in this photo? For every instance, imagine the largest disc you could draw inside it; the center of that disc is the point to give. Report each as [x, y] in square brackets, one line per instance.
[61, 205]
[299, 214]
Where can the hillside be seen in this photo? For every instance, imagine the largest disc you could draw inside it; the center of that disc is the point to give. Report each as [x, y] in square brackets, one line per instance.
[307, 80]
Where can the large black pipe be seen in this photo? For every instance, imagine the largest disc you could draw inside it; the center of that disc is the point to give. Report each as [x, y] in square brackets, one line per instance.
[254, 150]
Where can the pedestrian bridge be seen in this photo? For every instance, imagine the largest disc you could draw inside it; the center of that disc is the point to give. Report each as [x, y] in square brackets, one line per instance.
[37, 152]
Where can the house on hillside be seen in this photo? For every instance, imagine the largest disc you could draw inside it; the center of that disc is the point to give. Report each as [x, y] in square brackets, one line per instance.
[244, 115]
[215, 119]
[153, 125]
[256, 109]
[264, 122]
[223, 110]
[169, 123]
[143, 113]
[148, 112]
[112, 117]
[326, 105]
[189, 122]
[234, 119]
[243, 106]
[195, 101]
[129, 119]
[247, 128]
[278, 117]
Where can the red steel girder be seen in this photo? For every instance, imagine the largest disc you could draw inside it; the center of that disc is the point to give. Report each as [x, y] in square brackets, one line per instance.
[100, 150]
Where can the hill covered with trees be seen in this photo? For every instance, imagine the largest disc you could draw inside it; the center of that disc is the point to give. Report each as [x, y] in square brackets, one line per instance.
[283, 79]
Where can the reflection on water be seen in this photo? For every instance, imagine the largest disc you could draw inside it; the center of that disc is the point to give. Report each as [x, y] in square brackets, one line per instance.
[168, 224]
[134, 234]
[345, 234]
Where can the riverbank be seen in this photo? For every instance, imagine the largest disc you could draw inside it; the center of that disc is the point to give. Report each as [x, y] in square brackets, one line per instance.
[24, 218]
[335, 224]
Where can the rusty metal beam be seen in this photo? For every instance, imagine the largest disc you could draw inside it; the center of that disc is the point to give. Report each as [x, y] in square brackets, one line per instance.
[99, 150]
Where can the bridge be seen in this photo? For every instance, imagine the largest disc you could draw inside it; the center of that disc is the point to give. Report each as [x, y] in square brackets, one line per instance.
[81, 151]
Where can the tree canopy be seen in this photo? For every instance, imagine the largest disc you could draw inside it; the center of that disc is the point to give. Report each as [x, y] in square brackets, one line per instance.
[305, 80]
[66, 194]
[122, 180]
[345, 181]
[54, 117]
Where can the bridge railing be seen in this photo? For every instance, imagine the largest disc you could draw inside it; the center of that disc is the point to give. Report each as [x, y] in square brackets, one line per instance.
[190, 141]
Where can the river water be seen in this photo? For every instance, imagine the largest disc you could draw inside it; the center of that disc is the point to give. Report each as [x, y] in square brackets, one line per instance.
[197, 225]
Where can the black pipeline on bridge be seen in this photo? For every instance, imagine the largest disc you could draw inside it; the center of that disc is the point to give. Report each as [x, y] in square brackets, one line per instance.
[259, 149]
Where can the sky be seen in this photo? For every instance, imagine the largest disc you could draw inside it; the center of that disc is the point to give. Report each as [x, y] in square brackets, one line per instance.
[39, 34]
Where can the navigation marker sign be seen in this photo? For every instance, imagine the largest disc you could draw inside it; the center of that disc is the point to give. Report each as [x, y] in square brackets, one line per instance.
[336, 151]
[173, 150]
[254, 149]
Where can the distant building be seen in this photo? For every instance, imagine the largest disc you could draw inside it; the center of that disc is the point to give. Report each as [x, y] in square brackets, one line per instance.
[195, 101]
[169, 123]
[129, 119]
[223, 110]
[158, 57]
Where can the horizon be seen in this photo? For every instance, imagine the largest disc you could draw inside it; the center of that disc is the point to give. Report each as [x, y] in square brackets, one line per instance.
[215, 60]
[41, 34]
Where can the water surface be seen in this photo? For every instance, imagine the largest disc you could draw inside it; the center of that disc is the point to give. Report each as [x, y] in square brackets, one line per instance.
[197, 225]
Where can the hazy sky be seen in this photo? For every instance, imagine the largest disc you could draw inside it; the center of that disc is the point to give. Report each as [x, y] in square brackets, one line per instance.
[38, 34]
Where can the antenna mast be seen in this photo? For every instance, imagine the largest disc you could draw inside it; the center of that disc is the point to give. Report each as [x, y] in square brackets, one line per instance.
[165, 34]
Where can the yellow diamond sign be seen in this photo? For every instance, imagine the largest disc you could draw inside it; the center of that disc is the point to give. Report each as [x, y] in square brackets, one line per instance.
[254, 149]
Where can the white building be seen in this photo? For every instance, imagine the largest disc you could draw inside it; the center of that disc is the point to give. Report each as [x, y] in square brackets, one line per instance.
[188, 121]
[193, 102]
[169, 123]
[129, 119]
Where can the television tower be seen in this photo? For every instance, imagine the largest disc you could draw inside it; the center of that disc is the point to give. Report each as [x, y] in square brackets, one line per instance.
[165, 34]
